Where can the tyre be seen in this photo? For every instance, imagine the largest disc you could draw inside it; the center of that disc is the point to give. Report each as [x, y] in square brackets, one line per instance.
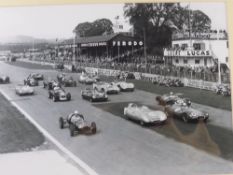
[185, 118]
[61, 123]
[68, 96]
[91, 99]
[54, 98]
[142, 123]
[75, 84]
[93, 128]
[205, 120]
[72, 130]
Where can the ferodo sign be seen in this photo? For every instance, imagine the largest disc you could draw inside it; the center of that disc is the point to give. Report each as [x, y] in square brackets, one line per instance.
[127, 43]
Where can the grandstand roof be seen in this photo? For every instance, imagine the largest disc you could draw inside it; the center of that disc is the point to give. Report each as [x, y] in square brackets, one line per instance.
[100, 38]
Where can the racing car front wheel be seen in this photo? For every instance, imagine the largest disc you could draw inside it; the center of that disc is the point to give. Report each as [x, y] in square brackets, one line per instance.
[72, 130]
[68, 96]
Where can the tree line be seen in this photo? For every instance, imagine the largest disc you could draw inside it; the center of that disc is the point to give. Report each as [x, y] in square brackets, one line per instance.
[153, 21]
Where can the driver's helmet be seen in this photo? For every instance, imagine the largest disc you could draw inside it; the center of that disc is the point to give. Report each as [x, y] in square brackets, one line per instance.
[56, 88]
[171, 93]
[76, 112]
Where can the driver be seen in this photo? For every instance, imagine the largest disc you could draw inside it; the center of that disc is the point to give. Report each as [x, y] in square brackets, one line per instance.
[75, 116]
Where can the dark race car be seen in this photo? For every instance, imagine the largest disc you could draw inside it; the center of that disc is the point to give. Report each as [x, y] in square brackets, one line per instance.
[4, 79]
[77, 124]
[186, 113]
[30, 81]
[37, 76]
[94, 95]
[66, 81]
[170, 99]
[59, 94]
[51, 84]
[223, 90]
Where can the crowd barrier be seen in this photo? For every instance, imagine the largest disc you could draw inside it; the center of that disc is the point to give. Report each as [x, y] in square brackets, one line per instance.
[188, 81]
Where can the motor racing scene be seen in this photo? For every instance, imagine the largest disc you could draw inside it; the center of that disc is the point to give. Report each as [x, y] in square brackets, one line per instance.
[135, 88]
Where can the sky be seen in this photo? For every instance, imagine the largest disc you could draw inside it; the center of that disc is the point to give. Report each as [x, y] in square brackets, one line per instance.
[59, 21]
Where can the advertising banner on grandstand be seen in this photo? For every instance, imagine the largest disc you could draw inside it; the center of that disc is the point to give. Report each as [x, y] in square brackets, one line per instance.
[127, 43]
[187, 53]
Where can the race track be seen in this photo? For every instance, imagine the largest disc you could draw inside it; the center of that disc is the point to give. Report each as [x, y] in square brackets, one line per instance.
[121, 146]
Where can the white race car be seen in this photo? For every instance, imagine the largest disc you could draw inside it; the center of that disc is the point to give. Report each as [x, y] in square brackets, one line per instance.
[143, 114]
[124, 86]
[21, 89]
[109, 88]
[84, 78]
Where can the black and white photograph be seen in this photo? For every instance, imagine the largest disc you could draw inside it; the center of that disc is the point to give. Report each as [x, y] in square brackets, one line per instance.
[115, 89]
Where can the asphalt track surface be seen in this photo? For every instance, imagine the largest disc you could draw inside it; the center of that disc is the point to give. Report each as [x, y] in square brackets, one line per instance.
[121, 146]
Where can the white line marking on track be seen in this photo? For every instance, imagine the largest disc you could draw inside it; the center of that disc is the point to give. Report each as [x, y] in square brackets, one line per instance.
[82, 164]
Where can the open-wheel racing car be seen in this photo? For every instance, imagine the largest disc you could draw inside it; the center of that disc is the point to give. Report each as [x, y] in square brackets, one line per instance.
[59, 94]
[31, 81]
[170, 99]
[66, 81]
[143, 114]
[77, 124]
[4, 79]
[94, 95]
[186, 113]
[50, 84]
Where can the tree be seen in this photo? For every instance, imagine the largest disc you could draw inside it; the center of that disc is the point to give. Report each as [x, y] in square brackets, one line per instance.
[159, 20]
[98, 27]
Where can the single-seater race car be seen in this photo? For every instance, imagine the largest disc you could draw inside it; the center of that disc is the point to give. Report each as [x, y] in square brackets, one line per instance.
[169, 99]
[50, 84]
[4, 79]
[77, 124]
[21, 89]
[186, 113]
[223, 90]
[94, 95]
[109, 88]
[124, 86]
[30, 81]
[86, 79]
[143, 114]
[66, 81]
[37, 76]
[59, 94]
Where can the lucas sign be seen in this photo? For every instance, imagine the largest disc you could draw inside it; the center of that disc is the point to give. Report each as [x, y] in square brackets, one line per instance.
[187, 53]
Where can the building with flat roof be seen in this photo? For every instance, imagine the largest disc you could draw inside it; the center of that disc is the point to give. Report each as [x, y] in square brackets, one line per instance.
[198, 49]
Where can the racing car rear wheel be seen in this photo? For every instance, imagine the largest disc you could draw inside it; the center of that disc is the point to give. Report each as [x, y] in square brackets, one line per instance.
[185, 118]
[61, 122]
[93, 127]
[72, 130]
